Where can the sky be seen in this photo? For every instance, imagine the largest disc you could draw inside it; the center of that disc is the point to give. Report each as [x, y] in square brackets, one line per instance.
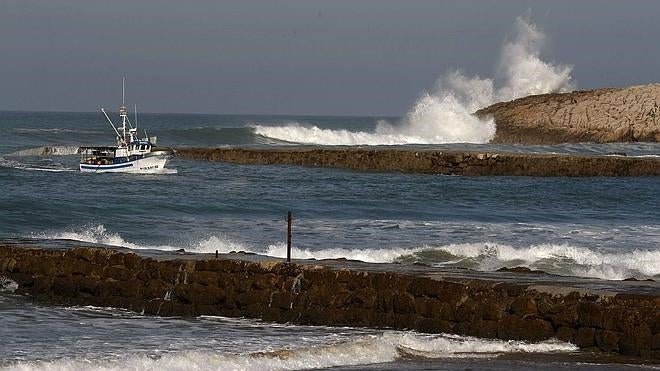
[298, 57]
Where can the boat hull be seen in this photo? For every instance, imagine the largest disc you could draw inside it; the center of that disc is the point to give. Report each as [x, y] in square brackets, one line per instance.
[146, 165]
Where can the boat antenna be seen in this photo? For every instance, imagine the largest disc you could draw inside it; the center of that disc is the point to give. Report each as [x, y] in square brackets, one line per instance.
[136, 117]
[122, 90]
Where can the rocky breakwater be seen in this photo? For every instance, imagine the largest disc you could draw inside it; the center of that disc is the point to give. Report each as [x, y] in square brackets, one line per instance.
[324, 293]
[603, 115]
[434, 162]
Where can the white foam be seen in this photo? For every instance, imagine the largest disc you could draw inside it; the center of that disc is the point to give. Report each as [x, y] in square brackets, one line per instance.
[165, 171]
[222, 244]
[560, 259]
[7, 284]
[47, 151]
[445, 345]
[96, 234]
[566, 259]
[367, 255]
[12, 164]
[365, 350]
[298, 133]
[445, 114]
[552, 258]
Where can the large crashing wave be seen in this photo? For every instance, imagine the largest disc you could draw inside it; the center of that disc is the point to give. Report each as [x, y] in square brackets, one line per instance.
[445, 114]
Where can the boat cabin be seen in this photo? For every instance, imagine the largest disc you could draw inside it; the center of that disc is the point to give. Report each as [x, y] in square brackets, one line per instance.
[97, 155]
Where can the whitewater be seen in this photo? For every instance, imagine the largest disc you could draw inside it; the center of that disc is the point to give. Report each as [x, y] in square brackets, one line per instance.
[561, 259]
[212, 343]
[445, 113]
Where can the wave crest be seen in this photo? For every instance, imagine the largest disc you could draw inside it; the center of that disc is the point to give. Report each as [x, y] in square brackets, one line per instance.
[372, 349]
[482, 256]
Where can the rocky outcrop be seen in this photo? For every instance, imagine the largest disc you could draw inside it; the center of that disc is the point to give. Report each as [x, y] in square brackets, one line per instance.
[322, 294]
[602, 116]
[434, 162]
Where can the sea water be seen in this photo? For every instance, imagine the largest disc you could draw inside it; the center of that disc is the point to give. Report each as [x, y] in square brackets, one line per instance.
[607, 228]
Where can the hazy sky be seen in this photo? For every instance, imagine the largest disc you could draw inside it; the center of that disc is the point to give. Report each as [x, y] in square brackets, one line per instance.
[329, 57]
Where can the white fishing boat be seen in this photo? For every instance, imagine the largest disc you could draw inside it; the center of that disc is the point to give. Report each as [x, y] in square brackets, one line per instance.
[132, 154]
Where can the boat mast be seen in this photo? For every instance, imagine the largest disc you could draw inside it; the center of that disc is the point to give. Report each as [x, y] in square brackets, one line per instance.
[123, 111]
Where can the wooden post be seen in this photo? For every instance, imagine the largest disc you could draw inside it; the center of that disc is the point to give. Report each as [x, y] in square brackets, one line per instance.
[288, 237]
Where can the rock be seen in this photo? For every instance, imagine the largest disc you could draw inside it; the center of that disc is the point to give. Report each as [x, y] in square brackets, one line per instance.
[532, 329]
[523, 306]
[403, 304]
[491, 311]
[205, 278]
[566, 334]
[520, 270]
[156, 289]
[635, 339]
[655, 342]
[590, 314]
[515, 270]
[585, 337]
[601, 115]
[467, 311]
[435, 162]
[565, 314]
[607, 341]
[433, 326]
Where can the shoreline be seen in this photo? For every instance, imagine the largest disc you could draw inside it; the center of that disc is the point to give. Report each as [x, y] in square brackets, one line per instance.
[469, 163]
[615, 317]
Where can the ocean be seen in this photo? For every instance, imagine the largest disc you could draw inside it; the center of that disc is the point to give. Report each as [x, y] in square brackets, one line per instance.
[605, 228]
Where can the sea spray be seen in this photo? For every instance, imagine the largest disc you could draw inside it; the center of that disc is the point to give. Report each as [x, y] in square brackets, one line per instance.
[522, 69]
[445, 113]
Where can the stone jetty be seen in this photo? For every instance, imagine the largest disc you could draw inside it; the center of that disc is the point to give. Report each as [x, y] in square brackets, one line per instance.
[434, 162]
[621, 317]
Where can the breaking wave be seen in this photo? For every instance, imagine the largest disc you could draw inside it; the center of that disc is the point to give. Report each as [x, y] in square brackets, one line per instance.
[564, 260]
[445, 114]
[96, 234]
[366, 350]
[555, 259]
[551, 258]
[7, 284]
[13, 164]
